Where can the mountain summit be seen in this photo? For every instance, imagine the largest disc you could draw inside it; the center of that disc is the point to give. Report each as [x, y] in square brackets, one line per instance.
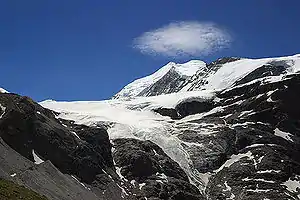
[167, 79]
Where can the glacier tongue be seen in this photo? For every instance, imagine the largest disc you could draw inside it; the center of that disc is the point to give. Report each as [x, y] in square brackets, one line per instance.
[135, 119]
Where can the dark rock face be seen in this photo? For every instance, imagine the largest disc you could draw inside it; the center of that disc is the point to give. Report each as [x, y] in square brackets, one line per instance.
[144, 163]
[73, 149]
[171, 112]
[185, 108]
[261, 160]
[170, 83]
[273, 69]
[193, 107]
[26, 126]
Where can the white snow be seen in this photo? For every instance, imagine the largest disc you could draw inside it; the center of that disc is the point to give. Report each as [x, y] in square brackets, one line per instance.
[201, 115]
[232, 196]
[3, 110]
[228, 189]
[258, 96]
[76, 135]
[235, 158]
[3, 90]
[226, 116]
[242, 124]
[155, 153]
[141, 185]
[257, 179]
[284, 135]
[80, 183]
[268, 171]
[133, 183]
[259, 190]
[64, 125]
[162, 177]
[205, 177]
[37, 160]
[118, 171]
[137, 86]
[269, 95]
[293, 185]
[124, 193]
[190, 68]
[107, 174]
[246, 113]
[231, 72]
[254, 146]
[260, 159]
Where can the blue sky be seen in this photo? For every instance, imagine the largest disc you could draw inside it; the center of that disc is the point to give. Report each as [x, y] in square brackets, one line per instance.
[90, 49]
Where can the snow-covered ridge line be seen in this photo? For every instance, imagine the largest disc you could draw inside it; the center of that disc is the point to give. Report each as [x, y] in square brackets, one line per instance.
[137, 86]
[222, 77]
[3, 90]
[234, 71]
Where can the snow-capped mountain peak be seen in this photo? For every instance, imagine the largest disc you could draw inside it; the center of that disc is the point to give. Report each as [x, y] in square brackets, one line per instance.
[189, 68]
[179, 72]
[3, 90]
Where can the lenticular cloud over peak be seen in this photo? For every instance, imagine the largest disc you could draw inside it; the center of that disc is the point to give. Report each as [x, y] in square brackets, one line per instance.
[185, 38]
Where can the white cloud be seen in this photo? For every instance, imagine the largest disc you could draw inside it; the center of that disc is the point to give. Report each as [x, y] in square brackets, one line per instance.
[185, 38]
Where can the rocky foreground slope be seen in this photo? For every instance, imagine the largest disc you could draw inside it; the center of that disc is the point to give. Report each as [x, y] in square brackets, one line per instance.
[232, 132]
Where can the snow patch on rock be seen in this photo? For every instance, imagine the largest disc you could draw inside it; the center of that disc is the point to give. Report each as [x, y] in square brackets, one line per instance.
[284, 135]
[37, 159]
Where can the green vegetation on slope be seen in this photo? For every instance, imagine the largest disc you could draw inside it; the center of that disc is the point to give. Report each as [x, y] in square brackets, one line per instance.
[11, 191]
